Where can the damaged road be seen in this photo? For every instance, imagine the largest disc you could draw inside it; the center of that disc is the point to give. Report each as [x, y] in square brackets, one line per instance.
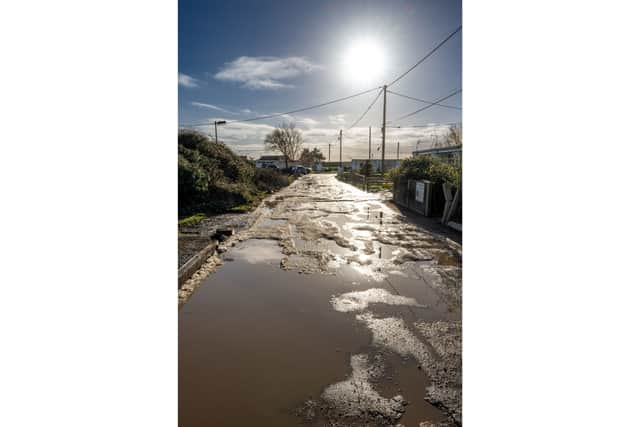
[331, 309]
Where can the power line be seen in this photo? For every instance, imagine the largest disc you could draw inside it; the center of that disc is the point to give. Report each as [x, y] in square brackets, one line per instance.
[426, 102]
[366, 111]
[426, 107]
[430, 125]
[292, 111]
[427, 55]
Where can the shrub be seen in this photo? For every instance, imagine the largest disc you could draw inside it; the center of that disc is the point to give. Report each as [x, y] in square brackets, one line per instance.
[212, 179]
[429, 168]
[269, 180]
[366, 169]
[192, 220]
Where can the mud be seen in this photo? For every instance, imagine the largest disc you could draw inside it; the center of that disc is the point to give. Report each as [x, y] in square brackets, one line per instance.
[446, 389]
[330, 309]
[355, 398]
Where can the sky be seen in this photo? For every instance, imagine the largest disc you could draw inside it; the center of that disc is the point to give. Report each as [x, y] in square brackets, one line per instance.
[246, 58]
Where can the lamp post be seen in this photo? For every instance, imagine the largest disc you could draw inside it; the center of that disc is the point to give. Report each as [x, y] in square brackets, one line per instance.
[215, 127]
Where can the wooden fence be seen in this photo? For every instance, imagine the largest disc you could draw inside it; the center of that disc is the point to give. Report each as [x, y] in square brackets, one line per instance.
[371, 183]
[428, 199]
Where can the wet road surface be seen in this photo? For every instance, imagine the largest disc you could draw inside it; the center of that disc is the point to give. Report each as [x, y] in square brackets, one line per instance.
[330, 310]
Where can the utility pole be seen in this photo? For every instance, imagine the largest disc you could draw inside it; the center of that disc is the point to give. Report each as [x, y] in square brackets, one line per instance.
[329, 152]
[398, 151]
[384, 125]
[215, 127]
[340, 149]
[369, 142]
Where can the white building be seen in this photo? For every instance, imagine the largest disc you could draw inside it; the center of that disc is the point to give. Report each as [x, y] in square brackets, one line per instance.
[275, 160]
[451, 154]
[356, 164]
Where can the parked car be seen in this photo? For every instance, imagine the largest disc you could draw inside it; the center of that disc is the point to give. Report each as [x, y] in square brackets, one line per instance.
[298, 170]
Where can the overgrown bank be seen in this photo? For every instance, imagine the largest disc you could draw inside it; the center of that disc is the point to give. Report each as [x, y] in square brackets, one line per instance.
[213, 180]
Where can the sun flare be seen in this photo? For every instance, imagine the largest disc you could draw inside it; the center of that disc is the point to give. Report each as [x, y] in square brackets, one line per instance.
[363, 61]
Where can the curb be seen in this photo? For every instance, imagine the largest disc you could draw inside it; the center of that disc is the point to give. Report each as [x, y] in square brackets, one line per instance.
[195, 262]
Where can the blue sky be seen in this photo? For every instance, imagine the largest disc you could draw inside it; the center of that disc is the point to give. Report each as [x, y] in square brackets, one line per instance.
[241, 59]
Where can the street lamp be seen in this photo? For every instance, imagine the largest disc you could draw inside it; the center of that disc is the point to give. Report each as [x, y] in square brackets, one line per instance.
[215, 127]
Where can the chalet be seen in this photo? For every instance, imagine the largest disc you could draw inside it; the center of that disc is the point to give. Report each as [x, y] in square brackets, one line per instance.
[334, 165]
[269, 161]
[451, 154]
[356, 164]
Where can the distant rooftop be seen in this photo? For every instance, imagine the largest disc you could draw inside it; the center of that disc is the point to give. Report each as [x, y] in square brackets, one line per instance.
[374, 160]
[271, 157]
[435, 150]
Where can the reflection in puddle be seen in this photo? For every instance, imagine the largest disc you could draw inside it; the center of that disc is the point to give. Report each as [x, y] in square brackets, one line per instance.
[256, 251]
[357, 301]
[255, 329]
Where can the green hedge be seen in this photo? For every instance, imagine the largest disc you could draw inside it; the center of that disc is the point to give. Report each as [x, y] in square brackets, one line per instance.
[428, 168]
[211, 179]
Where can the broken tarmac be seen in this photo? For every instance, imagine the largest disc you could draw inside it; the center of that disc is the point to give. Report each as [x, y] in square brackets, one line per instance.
[330, 309]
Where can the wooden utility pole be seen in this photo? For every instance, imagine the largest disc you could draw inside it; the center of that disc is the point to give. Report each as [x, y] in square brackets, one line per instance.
[340, 148]
[384, 125]
[398, 151]
[369, 142]
[329, 152]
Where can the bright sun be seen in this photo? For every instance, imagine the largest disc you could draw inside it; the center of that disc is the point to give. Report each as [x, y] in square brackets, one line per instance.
[364, 61]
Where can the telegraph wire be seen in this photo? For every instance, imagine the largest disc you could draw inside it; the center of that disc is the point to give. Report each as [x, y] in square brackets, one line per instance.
[430, 125]
[427, 55]
[366, 111]
[431, 104]
[426, 102]
[292, 111]
[426, 107]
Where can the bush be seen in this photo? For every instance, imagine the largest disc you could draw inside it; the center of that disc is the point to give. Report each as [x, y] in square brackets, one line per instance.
[428, 168]
[212, 179]
[366, 169]
[269, 180]
[192, 220]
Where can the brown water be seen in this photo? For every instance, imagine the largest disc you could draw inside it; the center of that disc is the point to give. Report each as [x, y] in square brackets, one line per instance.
[256, 341]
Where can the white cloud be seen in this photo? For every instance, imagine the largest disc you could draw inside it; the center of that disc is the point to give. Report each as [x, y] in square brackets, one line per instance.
[306, 122]
[337, 119]
[187, 81]
[248, 138]
[212, 107]
[265, 72]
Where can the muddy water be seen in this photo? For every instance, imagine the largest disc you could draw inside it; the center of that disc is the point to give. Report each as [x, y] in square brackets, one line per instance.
[324, 312]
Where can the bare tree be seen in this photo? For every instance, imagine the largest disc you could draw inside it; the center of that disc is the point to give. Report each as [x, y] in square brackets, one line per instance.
[285, 139]
[454, 137]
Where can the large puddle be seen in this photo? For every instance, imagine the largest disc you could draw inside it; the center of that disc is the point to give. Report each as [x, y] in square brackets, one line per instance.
[319, 316]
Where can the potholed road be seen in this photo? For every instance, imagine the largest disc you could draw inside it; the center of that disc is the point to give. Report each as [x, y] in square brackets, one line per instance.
[332, 309]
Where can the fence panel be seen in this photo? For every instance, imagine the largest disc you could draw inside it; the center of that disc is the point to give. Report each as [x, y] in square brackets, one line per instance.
[378, 183]
[417, 196]
[401, 193]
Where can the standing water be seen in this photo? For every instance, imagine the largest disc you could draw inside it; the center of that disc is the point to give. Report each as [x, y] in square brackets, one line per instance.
[332, 309]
